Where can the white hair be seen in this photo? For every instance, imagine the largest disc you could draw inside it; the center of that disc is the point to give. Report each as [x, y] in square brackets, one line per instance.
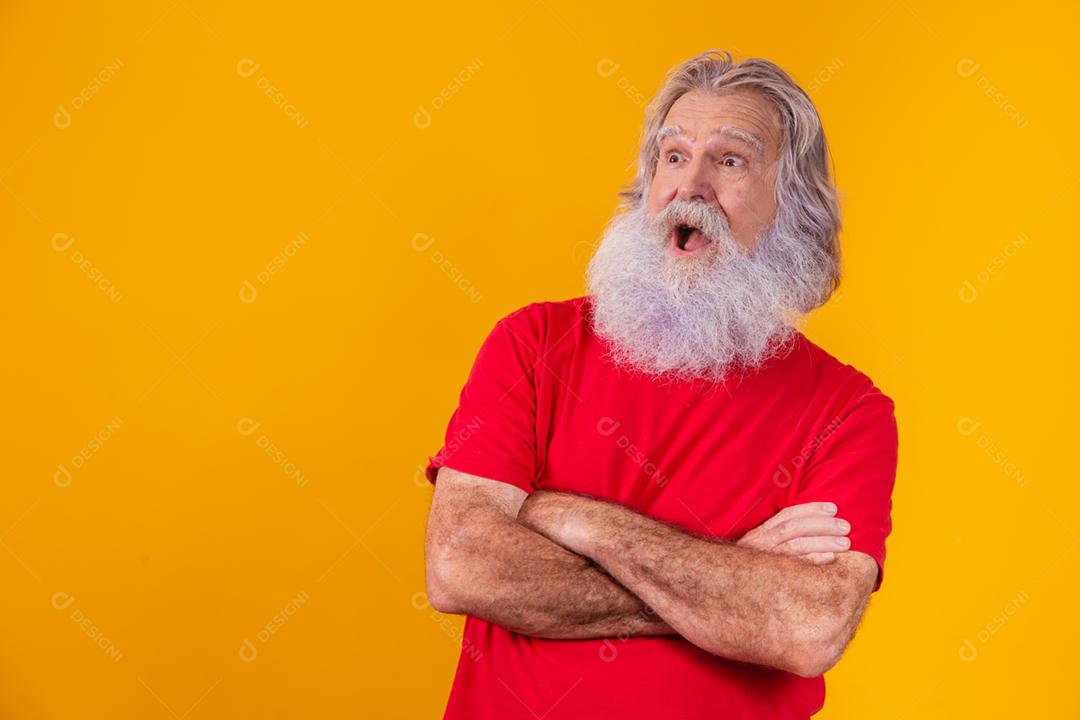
[806, 196]
[728, 309]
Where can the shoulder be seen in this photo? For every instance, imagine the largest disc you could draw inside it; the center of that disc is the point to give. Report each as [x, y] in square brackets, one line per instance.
[847, 386]
[540, 322]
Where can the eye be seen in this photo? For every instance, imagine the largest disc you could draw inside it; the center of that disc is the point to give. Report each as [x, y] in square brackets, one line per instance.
[738, 161]
[672, 156]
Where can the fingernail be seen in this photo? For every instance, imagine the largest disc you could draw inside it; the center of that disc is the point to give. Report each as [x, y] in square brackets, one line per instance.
[842, 541]
[830, 508]
[843, 525]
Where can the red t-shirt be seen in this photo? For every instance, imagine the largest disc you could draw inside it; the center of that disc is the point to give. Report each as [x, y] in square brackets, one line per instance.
[544, 409]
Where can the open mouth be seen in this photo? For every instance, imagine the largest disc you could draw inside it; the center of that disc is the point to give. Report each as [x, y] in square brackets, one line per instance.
[687, 239]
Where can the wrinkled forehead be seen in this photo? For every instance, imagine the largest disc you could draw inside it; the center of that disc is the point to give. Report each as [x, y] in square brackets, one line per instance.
[744, 116]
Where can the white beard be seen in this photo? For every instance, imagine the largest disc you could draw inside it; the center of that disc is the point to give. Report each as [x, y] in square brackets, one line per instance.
[706, 316]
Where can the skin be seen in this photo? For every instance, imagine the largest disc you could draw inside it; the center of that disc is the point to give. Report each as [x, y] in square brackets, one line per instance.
[789, 594]
[496, 553]
[482, 562]
[721, 171]
[730, 600]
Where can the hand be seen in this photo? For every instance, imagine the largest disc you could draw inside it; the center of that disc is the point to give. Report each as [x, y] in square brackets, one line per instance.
[809, 531]
[561, 517]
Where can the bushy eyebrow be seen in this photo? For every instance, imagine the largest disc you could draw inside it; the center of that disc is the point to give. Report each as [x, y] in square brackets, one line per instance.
[736, 133]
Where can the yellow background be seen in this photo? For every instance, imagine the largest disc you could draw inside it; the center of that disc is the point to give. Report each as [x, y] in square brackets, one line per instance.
[205, 145]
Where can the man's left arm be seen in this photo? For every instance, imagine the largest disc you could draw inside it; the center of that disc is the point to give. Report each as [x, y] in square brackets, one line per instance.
[732, 601]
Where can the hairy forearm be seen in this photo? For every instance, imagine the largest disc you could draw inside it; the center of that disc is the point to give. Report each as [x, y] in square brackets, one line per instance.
[496, 569]
[733, 601]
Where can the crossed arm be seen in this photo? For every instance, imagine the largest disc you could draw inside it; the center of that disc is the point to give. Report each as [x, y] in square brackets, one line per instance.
[482, 561]
[566, 566]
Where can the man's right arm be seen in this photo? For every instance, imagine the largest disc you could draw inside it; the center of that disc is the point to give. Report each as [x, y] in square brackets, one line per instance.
[482, 562]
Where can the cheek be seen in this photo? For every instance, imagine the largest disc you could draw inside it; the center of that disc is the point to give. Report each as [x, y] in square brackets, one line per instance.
[662, 188]
[735, 203]
[747, 207]
[654, 201]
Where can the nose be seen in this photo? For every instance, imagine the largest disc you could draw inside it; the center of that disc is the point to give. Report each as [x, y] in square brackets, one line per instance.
[694, 185]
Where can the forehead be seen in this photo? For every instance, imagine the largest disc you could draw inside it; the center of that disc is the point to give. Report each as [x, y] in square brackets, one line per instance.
[699, 113]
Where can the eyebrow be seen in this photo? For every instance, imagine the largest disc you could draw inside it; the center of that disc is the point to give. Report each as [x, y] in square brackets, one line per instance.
[731, 131]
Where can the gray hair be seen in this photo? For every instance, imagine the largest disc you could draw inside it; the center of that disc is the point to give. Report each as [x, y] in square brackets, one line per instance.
[805, 194]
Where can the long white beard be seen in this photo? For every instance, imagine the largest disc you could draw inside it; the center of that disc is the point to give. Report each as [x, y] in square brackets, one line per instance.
[705, 316]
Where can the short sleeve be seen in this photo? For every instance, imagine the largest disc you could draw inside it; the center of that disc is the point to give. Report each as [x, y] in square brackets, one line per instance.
[854, 465]
[492, 433]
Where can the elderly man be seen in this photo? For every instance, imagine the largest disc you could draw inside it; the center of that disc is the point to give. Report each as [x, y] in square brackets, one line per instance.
[661, 500]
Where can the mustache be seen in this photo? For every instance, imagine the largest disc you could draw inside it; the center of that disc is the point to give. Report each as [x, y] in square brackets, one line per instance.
[700, 215]
[701, 319]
